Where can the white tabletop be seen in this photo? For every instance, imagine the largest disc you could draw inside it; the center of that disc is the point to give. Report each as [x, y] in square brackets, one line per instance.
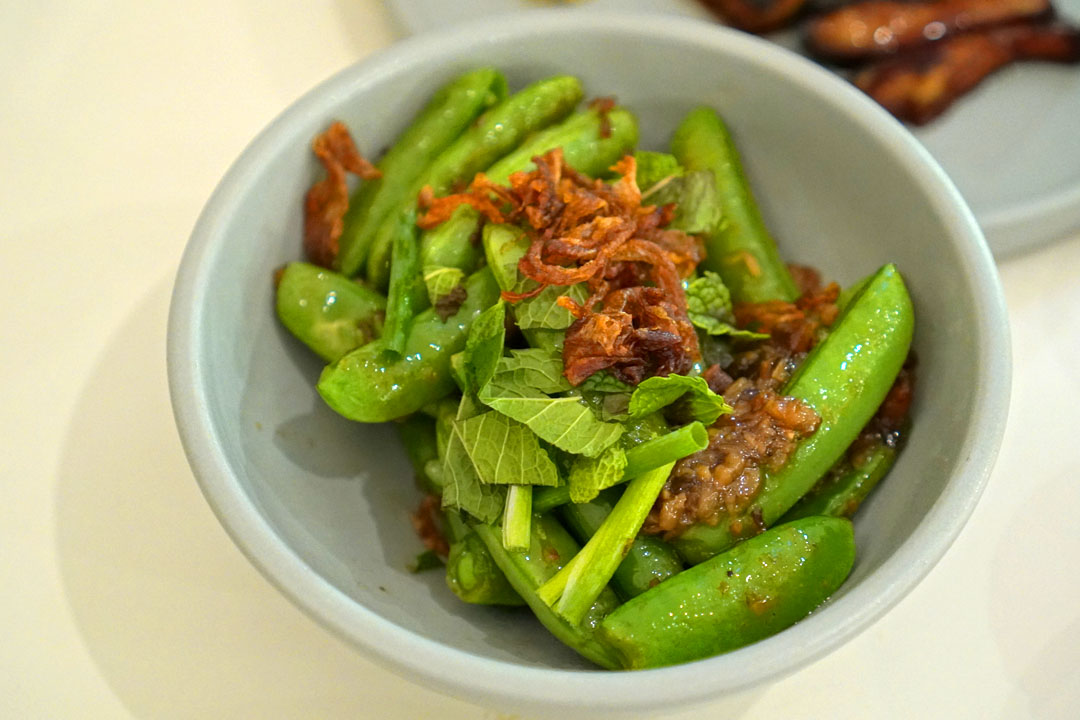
[124, 597]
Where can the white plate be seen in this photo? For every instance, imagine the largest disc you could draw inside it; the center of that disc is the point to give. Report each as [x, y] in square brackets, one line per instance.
[1012, 146]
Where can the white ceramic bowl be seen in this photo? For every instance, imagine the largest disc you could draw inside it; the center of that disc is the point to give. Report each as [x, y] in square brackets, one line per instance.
[321, 505]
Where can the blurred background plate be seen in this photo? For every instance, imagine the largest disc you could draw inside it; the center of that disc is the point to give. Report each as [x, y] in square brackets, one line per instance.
[1012, 145]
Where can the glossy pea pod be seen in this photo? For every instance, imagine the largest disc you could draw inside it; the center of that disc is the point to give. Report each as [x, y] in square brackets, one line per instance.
[471, 572]
[495, 133]
[590, 143]
[368, 386]
[551, 547]
[845, 379]
[739, 248]
[406, 296]
[842, 492]
[443, 119]
[328, 312]
[752, 591]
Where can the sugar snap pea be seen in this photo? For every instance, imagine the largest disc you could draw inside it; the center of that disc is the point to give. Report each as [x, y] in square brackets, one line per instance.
[418, 434]
[739, 248]
[551, 547]
[842, 491]
[845, 379]
[471, 572]
[328, 312]
[648, 562]
[752, 591]
[590, 142]
[442, 120]
[496, 133]
[366, 386]
[406, 296]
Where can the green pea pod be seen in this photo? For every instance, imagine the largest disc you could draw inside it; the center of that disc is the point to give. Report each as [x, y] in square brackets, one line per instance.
[551, 547]
[449, 251]
[471, 572]
[417, 433]
[443, 119]
[648, 562]
[589, 145]
[406, 296]
[495, 133]
[845, 379]
[842, 491]
[739, 248]
[367, 386]
[328, 312]
[752, 591]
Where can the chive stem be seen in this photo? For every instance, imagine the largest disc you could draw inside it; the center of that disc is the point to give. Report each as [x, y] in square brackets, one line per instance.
[640, 459]
[573, 590]
[517, 518]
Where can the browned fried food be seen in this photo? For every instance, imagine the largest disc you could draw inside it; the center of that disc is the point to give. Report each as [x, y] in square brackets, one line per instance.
[328, 199]
[634, 322]
[918, 87]
[756, 16]
[880, 28]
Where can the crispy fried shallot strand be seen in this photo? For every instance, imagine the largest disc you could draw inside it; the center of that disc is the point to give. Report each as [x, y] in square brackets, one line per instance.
[328, 199]
[592, 232]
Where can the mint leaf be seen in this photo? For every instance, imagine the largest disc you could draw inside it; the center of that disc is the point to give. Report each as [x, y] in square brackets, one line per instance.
[484, 345]
[655, 393]
[542, 312]
[566, 422]
[505, 452]
[654, 168]
[463, 489]
[605, 382]
[697, 202]
[441, 281]
[588, 476]
[534, 368]
[708, 305]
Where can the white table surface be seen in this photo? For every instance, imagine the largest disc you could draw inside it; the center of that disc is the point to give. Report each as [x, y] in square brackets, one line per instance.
[124, 598]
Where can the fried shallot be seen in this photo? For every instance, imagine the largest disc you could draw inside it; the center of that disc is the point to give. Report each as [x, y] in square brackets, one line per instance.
[634, 322]
[328, 199]
[919, 87]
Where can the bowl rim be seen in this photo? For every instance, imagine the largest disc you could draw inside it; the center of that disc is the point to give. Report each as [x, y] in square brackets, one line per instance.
[480, 679]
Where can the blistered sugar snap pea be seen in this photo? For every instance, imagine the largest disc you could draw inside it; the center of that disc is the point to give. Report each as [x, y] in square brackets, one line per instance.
[495, 133]
[364, 386]
[590, 144]
[648, 562]
[443, 119]
[551, 547]
[752, 591]
[845, 378]
[841, 492]
[328, 312]
[739, 248]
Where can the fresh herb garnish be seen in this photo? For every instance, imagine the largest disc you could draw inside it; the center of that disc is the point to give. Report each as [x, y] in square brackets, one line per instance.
[700, 402]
